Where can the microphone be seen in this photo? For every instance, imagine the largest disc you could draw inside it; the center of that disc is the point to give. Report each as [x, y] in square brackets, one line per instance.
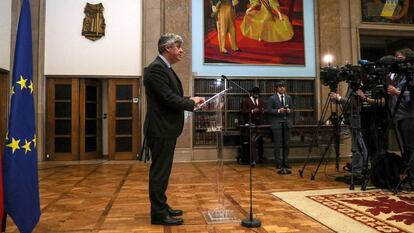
[388, 60]
[235, 84]
[366, 62]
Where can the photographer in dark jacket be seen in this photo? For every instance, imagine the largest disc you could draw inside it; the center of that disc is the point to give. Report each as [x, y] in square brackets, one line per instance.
[351, 103]
[374, 120]
[404, 116]
[164, 123]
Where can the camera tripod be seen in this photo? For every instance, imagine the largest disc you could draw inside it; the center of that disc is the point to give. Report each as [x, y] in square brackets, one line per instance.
[336, 120]
[374, 136]
[359, 151]
[381, 99]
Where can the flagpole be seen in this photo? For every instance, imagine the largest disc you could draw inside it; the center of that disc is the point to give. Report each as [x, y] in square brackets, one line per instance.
[20, 165]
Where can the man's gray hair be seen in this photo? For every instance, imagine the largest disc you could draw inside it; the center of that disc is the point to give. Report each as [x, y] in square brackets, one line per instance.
[168, 40]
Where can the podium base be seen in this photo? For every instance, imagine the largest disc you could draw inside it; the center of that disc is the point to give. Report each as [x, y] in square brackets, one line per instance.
[220, 215]
[251, 223]
[284, 171]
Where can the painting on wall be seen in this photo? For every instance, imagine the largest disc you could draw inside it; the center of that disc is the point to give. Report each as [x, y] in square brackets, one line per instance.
[388, 11]
[254, 32]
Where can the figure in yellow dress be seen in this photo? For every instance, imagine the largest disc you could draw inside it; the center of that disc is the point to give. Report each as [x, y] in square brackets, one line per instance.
[226, 22]
[264, 21]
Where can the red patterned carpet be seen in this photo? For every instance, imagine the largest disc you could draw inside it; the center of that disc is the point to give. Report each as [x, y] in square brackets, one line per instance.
[356, 211]
[380, 210]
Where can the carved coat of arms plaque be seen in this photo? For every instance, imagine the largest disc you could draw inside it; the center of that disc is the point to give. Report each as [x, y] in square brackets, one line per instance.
[94, 22]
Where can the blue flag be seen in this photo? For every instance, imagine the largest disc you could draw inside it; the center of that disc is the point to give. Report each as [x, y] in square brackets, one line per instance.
[20, 178]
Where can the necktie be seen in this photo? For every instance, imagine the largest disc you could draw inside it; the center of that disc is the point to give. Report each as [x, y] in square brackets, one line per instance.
[282, 100]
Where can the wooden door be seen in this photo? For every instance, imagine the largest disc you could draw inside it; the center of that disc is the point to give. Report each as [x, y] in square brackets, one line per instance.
[123, 119]
[4, 92]
[62, 119]
[90, 124]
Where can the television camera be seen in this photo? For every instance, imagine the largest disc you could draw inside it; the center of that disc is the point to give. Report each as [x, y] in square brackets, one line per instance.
[332, 75]
[371, 75]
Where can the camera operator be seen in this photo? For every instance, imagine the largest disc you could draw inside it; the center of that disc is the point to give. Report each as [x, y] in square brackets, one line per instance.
[352, 105]
[404, 115]
[373, 119]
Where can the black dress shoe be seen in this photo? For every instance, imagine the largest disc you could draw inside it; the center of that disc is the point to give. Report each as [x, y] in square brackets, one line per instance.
[287, 166]
[166, 220]
[278, 166]
[174, 213]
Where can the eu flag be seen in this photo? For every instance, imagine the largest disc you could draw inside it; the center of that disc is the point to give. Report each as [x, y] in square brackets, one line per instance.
[20, 178]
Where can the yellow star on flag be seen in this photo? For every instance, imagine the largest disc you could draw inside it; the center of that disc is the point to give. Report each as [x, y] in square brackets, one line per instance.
[14, 145]
[27, 146]
[12, 90]
[22, 83]
[31, 87]
[34, 140]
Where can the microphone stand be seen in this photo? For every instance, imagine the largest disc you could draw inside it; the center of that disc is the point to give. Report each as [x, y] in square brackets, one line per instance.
[250, 222]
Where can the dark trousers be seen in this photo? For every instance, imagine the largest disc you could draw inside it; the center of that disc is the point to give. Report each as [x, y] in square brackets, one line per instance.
[162, 154]
[279, 143]
[260, 150]
[375, 133]
[245, 151]
[406, 128]
[359, 150]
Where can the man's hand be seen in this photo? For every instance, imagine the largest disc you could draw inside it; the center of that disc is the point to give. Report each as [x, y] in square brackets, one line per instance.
[214, 9]
[198, 100]
[393, 90]
[361, 94]
[334, 96]
[282, 110]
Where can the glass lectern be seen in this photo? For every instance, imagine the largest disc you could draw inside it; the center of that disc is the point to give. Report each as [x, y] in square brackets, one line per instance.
[215, 126]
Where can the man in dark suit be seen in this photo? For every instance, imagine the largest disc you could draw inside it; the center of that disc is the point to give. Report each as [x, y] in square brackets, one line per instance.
[280, 108]
[164, 123]
[404, 115]
[253, 108]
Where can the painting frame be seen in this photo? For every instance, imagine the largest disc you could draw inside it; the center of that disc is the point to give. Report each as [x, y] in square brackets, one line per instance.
[388, 12]
[201, 68]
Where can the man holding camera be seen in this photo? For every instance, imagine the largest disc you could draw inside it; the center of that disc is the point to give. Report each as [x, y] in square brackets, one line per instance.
[280, 107]
[403, 109]
[374, 120]
[352, 106]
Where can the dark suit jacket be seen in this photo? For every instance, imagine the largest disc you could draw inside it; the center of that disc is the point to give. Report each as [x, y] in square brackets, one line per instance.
[257, 117]
[275, 117]
[165, 101]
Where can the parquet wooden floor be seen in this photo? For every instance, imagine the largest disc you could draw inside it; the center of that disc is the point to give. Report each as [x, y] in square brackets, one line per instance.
[112, 197]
